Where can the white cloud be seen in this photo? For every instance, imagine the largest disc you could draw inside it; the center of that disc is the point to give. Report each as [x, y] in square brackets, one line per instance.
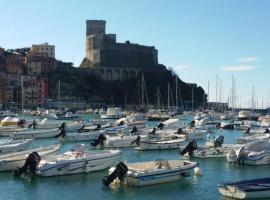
[238, 68]
[247, 59]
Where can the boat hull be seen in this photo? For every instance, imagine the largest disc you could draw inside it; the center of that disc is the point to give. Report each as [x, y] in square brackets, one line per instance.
[144, 178]
[35, 134]
[158, 145]
[12, 161]
[81, 165]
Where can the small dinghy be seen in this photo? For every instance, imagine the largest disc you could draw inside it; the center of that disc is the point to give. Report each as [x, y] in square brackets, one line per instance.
[150, 172]
[213, 149]
[254, 153]
[78, 161]
[163, 144]
[14, 146]
[13, 160]
[84, 136]
[252, 138]
[35, 134]
[247, 189]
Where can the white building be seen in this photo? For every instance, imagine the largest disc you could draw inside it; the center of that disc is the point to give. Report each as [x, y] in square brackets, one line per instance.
[44, 49]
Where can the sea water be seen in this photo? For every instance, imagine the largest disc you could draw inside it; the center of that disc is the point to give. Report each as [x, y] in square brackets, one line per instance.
[89, 186]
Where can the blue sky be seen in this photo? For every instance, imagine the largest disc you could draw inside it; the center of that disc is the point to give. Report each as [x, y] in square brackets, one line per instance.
[199, 39]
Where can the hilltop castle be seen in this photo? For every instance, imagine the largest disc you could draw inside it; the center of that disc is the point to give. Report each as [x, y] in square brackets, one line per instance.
[111, 60]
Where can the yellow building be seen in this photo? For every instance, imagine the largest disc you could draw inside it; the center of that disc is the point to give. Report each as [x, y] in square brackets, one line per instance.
[44, 49]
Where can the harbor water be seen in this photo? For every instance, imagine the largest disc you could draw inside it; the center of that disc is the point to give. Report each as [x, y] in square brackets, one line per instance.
[89, 186]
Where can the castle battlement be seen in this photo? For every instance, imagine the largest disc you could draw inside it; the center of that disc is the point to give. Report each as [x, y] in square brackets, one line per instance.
[103, 52]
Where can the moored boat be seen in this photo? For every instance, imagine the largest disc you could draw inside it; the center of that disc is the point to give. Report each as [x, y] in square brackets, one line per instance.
[74, 162]
[254, 153]
[247, 189]
[47, 133]
[150, 172]
[163, 144]
[13, 160]
[14, 145]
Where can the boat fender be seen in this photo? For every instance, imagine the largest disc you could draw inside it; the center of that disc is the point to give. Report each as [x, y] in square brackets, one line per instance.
[137, 141]
[197, 171]
[120, 171]
[192, 146]
[31, 163]
[99, 141]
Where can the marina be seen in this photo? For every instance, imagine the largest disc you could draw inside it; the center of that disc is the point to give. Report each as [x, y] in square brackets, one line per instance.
[134, 100]
[211, 163]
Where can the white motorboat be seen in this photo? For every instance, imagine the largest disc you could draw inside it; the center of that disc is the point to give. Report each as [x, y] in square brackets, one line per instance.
[194, 134]
[247, 189]
[113, 113]
[74, 162]
[130, 122]
[6, 131]
[47, 133]
[163, 144]
[150, 172]
[13, 160]
[9, 121]
[210, 150]
[121, 141]
[254, 153]
[84, 136]
[251, 138]
[14, 145]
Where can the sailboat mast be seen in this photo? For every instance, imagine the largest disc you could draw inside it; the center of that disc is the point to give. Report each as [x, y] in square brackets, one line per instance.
[22, 93]
[208, 96]
[168, 97]
[59, 92]
[192, 98]
[176, 92]
[142, 91]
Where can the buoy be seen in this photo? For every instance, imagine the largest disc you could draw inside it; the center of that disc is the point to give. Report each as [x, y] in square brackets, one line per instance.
[197, 171]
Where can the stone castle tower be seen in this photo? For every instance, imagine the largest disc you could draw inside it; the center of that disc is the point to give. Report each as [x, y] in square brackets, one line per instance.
[95, 32]
[111, 60]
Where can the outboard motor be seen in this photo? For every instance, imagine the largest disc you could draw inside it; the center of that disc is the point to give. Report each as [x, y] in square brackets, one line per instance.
[120, 171]
[137, 141]
[248, 130]
[121, 123]
[99, 141]
[160, 126]
[33, 124]
[192, 123]
[179, 131]
[192, 146]
[153, 132]
[80, 130]
[240, 155]
[134, 130]
[218, 141]
[98, 127]
[62, 130]
[21, 122]
[31, 163]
